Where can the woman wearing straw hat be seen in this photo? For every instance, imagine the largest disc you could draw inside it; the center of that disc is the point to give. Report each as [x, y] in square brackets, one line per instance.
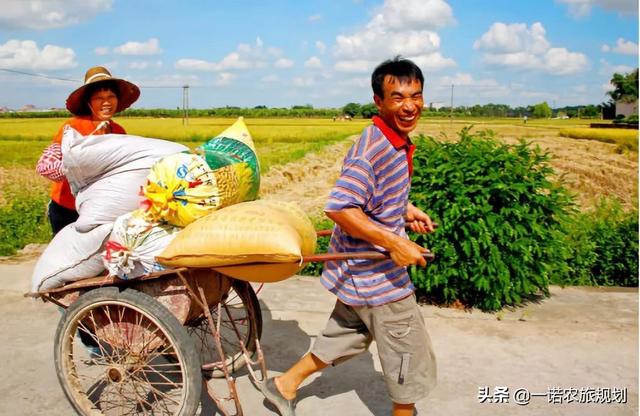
[93, 104]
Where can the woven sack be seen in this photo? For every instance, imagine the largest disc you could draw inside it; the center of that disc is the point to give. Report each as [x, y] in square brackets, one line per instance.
[259, 241]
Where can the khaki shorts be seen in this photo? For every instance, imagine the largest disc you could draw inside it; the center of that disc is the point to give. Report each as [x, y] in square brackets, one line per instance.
[404, 347]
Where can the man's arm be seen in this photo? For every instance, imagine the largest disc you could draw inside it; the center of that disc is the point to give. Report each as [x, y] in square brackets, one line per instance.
[354, 222]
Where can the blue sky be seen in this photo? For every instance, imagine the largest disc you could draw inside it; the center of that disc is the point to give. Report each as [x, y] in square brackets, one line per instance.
[318, 52]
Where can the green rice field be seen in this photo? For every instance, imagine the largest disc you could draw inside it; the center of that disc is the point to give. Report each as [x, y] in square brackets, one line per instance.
[277, 140]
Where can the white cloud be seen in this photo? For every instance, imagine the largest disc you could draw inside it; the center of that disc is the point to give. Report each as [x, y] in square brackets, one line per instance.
[432, 61]
[376, 41]
[150, 47]
[559, 61]
[283, 63]
[168, 80]
[49, 14]
[360, 82]
[314, 62]
[245, 57]
[518, 46]
[101, 50]
[234, 61]
[270, 79]
[353, 65]
[400, 27]
[465, 85]
[304, 82]
[321, 47]
[513, 38]
[465, 79]
[623, 46]
[314, 17]
[25, 54]
[224, 78]
[608, 70]
[415, 14]
[581, 8]
[195, 65]
[145, 64]
[626, 47]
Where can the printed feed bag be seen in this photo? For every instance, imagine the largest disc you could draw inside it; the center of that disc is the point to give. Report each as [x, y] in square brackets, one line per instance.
[235, 146]
[182, 188]
[133, 245]
[260, 241]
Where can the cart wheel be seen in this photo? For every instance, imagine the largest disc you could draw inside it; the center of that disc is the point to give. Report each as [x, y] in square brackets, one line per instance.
[241, 307]
[128, 373]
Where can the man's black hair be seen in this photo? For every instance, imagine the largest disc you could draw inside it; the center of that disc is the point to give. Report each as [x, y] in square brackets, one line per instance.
[402, 69]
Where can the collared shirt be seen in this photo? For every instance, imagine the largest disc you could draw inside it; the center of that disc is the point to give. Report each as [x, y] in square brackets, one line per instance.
[60, 190]
[375, 177]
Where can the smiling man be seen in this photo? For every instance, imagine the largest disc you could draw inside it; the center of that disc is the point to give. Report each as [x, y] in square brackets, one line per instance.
[375, 299]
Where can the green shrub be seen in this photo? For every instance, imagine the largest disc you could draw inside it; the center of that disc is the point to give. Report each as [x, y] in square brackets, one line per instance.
[603, 247]
[23, 221]
[501, 236]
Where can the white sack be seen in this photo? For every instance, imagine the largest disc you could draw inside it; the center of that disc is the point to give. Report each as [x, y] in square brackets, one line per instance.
[70, 256]
[106, 172]
[134, 243]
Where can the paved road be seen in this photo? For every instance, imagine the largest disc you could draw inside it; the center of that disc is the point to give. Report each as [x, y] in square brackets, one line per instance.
[579, 338]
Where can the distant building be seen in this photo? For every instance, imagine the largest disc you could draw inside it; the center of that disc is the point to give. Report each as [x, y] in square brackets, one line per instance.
[435, 105]
[28, 107]
[4, 109]
[627, 108]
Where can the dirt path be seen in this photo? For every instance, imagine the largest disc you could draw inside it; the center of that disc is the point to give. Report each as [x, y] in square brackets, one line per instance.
[580, 338]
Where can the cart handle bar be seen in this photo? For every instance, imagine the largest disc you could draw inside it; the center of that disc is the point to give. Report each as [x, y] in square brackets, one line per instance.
[327, 233]
[360, 255]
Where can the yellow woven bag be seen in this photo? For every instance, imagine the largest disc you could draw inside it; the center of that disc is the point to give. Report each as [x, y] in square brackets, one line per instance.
[260, 241]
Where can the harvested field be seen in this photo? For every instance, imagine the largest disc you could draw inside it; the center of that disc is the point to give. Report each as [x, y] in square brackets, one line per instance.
[590, 169]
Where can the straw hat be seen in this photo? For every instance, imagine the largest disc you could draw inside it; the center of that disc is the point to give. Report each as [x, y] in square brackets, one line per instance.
[127, 92]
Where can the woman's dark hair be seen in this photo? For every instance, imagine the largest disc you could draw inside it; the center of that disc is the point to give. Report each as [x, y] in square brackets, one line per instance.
[97, 86]
[402, 69]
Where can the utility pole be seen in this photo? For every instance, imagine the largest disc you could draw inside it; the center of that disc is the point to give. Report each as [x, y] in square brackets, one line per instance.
[185, 105]
[451, 108]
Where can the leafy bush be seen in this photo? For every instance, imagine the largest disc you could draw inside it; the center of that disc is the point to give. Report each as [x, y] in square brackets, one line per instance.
[603, 247]
[23, 221]
[501, 235]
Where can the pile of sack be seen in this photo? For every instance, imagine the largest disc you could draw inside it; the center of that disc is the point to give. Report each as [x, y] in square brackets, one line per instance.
[105, 173]
[141, 198]
[114, 175]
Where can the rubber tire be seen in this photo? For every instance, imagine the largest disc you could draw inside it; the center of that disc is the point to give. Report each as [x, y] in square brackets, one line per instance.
[176, 333]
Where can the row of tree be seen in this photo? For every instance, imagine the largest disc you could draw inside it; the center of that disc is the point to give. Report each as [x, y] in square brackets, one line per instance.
[625, 88]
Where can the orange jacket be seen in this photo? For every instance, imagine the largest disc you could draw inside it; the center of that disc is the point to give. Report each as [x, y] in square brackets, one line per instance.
[60, 191]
